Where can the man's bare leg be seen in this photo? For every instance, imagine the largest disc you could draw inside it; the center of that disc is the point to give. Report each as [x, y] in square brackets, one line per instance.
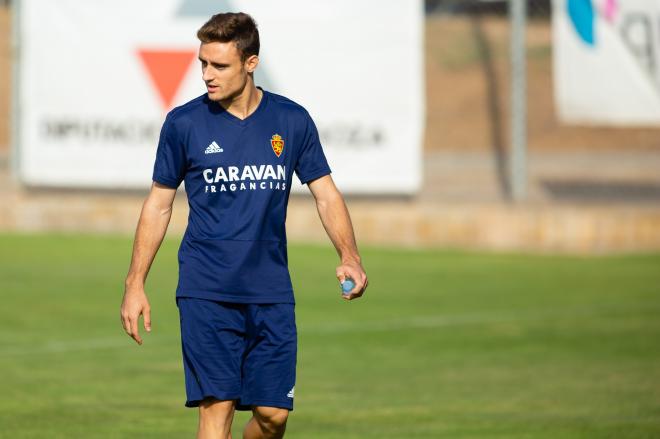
[266, 423]
[215, 418]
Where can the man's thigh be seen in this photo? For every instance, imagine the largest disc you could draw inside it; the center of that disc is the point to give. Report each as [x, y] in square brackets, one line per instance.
[213, 345]
[269, 367]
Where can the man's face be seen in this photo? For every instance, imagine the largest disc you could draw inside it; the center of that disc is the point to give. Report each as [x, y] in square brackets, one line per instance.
[223, 71]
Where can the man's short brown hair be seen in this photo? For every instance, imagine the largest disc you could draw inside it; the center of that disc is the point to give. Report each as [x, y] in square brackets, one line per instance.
[232, 26]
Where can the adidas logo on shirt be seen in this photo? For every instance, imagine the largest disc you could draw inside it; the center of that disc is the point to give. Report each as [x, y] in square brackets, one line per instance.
[290, 394]
[213, 148]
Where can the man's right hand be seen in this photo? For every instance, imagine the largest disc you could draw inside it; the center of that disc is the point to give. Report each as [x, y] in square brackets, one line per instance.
[135, 303]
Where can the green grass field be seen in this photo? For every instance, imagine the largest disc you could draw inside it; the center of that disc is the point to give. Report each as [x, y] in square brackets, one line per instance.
[445, 344]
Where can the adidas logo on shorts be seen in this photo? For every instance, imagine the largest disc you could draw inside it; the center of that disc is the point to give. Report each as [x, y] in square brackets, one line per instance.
[290, 394]
[213, 148]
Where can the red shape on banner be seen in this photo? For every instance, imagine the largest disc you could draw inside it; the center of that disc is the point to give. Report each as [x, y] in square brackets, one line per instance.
[167, 69]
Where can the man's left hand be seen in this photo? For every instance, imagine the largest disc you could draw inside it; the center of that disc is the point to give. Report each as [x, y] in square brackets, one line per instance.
[355, 271]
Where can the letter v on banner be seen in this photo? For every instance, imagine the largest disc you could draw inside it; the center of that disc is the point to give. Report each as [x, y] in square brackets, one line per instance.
[167, 68]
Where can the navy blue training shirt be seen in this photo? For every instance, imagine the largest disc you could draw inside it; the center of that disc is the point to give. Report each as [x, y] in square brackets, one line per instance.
[237, 175]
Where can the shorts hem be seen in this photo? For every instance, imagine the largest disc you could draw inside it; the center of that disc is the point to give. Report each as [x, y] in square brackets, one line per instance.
[196, 402]
[265, 403]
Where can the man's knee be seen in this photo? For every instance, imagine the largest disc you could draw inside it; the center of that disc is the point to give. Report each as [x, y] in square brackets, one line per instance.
[271, 419]
[220, 411]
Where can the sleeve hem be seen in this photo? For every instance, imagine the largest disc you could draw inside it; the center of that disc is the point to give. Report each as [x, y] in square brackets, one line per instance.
[166, 181]
[313, 176]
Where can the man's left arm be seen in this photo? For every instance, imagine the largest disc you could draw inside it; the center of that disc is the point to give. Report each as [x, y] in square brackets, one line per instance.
[337, 223]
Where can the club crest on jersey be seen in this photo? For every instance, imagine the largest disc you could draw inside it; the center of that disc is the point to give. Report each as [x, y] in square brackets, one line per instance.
[277, 143]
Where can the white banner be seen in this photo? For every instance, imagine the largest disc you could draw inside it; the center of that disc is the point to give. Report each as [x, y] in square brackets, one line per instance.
[607, 61]
[97, 78]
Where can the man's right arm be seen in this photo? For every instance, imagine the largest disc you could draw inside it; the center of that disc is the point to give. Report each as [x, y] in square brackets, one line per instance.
[151, 228]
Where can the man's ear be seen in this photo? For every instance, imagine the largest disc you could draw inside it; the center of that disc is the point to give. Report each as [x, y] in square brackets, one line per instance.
[251, 63]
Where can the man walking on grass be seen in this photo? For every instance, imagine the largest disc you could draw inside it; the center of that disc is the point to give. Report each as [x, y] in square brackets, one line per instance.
[235, 147]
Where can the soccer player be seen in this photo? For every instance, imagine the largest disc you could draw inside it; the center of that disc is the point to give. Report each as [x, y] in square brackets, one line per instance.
[235, 147]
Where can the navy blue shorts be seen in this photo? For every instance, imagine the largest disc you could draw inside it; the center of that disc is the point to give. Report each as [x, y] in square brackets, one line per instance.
[245, 352]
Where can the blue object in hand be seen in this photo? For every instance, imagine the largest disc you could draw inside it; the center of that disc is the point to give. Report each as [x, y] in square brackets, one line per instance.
[347, 286]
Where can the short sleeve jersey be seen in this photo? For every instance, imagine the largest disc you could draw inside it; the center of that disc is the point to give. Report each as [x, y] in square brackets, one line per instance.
[237, 175]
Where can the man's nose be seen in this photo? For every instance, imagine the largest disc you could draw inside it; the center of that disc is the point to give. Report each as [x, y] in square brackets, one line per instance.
[206, 75]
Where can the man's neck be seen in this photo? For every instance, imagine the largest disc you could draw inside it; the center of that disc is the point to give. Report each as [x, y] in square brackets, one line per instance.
[244, 104]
